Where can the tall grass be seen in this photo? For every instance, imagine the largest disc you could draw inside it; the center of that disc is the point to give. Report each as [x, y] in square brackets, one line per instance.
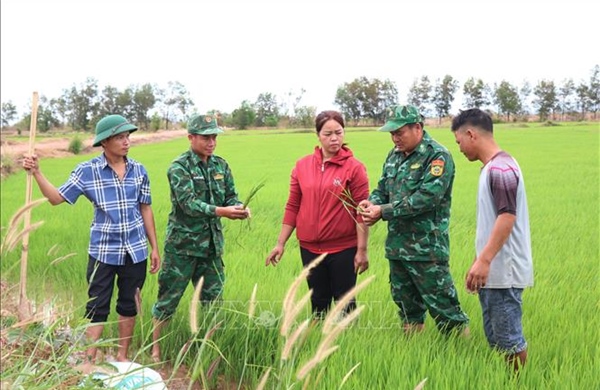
[561, 168]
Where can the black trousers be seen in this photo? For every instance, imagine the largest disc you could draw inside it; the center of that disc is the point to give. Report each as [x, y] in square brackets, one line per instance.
[331, 279]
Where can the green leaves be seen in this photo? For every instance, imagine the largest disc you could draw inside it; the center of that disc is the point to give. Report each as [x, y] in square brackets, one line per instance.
[253, 192]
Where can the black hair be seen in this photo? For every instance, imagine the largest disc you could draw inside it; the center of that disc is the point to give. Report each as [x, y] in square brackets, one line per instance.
[324, 116]
[473, 117]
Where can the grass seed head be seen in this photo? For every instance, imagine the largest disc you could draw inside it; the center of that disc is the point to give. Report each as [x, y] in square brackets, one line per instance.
[263, 380]
[335, 312]
[288, 301]
[312, 363]
[252, 304]
[289, 343]
[290, 316]
[194, 306]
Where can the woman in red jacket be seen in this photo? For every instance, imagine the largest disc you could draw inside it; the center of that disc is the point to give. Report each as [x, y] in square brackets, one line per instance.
[323, 224]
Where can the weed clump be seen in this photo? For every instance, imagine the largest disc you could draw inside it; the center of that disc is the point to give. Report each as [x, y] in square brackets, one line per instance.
[550, 123]
[7, 165]
[76, 145]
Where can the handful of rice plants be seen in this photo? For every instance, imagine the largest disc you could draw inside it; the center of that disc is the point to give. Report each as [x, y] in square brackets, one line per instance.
[349, 203]
[253, 192]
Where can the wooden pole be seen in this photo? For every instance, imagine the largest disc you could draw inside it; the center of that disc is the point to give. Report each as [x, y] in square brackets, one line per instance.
[24, 305]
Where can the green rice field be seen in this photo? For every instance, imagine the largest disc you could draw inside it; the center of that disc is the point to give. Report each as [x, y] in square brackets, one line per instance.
[561, 322]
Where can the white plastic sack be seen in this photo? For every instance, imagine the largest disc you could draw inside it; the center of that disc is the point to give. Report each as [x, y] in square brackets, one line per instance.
[130, 376]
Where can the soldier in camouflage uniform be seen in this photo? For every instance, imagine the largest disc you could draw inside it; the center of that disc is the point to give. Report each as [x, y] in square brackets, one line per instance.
[413, 195]
[202, 191]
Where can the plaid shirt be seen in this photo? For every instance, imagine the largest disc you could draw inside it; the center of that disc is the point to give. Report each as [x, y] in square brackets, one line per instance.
[118, 227]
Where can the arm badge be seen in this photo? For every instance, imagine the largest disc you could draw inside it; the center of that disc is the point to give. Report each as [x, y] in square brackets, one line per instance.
[437, 167]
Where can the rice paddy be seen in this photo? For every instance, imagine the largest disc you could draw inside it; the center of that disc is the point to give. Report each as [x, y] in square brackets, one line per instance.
[561, 168]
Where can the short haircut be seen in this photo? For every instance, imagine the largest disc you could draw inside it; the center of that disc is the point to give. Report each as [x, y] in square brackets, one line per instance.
[324, 116]
[473, 117]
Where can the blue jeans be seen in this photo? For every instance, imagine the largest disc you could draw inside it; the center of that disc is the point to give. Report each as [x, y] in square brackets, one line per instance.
[502, 313]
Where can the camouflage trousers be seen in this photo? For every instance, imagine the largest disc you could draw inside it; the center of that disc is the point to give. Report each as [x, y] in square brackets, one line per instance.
[177, 272]
[421, 286]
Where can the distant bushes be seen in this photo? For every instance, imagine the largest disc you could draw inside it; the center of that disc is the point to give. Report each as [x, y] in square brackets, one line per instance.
[155, 122]
[76, 145]
[550, 123]
[7, 165]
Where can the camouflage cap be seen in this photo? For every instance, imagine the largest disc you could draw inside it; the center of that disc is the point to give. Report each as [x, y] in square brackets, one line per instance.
[398, 116]
[203, 125]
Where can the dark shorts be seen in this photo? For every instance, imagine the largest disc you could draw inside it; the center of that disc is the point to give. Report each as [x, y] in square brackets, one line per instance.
[175, 275]
[101, 281]
[421, 286]
[502, 313]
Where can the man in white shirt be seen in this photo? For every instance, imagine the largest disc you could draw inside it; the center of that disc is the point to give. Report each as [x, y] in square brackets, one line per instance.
[503, 264]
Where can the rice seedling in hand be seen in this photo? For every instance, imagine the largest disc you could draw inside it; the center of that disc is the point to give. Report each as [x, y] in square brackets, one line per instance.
[349, 204]
[253, 191]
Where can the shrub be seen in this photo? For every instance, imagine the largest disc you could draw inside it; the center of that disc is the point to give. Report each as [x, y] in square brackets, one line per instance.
[550, 123]
[75, 146]
[155, 122]
[271, 121]
[7, 164]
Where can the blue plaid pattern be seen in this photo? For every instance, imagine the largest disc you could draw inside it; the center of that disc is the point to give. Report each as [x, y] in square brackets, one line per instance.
[117, 228]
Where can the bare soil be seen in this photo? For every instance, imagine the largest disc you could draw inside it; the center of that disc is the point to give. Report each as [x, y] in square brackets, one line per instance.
[12, 151]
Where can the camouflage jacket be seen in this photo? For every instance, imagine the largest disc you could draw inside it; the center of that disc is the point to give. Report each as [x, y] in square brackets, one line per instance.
[414, 192]
[197, 188]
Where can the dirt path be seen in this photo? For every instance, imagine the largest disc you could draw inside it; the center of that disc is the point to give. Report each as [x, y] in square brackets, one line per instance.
[12, 151]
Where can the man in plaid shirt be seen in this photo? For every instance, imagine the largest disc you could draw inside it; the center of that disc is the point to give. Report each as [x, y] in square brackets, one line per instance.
[122, 227]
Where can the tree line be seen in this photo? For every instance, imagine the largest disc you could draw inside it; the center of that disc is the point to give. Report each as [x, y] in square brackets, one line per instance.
[361, 100]
[81, 106]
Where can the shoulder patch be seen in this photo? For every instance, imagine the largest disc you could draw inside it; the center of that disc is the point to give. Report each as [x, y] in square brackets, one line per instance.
[218, 176]
[437, 167]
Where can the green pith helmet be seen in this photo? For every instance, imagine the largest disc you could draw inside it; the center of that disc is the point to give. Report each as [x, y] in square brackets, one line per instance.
[203, 125]
[398, 116]
[112, 125]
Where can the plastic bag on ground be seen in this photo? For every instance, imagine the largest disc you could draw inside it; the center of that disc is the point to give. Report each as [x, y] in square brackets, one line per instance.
[130, 376]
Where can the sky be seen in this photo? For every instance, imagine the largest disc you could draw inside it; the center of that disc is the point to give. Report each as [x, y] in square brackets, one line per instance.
[227, 51]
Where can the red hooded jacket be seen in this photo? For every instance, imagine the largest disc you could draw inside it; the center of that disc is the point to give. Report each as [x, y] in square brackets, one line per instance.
[314, 207]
